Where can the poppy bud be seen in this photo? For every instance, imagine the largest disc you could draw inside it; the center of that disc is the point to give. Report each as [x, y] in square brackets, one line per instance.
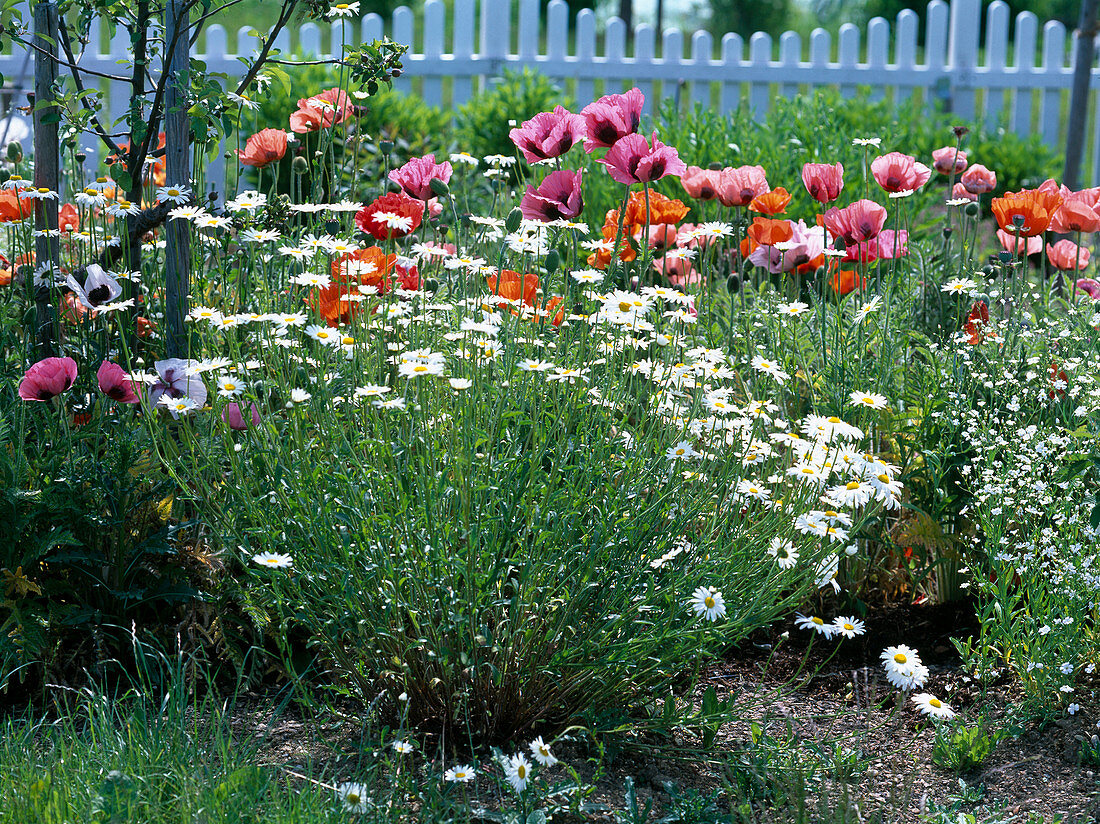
[971, 209]
[733, 283]
[332, 226]
[552, 261]
[961, 131]
[1005, 257]
[438, 187]
[714, 167]
[512, 222]
[946, 232]
[15, 151]
[300, 166]
[431, 284]
[212, 196]
[443, 229]
[989, 271]
[80, 157]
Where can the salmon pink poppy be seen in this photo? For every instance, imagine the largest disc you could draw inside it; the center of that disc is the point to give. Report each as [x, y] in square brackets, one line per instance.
[513, 286]
[856, 222]
[323, 110]
[416, 176]
[949, 160]
[115, 383]
[390, 216]
[700, 184]
[265, 147]
[558, 197]
[897, 172]
[1074, 215]
[978, 180]
[678, 269]
[47, 379]
[548, 134]
[823, 181]
[804, 249]
[960, 192]
[661, 236]
[633, 160]
[1015, 245]
[612, 118]
[1067, 255]
[739, 186]
[13, 207]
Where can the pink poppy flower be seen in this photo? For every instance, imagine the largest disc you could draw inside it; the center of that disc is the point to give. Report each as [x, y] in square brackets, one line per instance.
[886, 245]
[700, 184]
[416, 176]
[264, 147]
[115, 383]
[1067, 255]
[857, 222]
[661, 237]
[1089, 287]
[47, 379]
[611, 118]
[632, 160]
[806, 244]
[323, 110]
[960, 192]
[1011, 243]
[233, 415]
[678, 269]
[558, 197]
[897, 172]
[176, 379]
[949, 160]
[823, 181]
[549, 134]
[978, 180]
[738, 187]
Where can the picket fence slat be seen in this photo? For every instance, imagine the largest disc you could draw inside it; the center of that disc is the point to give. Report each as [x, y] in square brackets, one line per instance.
[1021, 82]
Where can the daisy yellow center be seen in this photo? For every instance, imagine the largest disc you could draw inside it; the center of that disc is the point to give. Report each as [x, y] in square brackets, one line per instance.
[101, 180]
[900, 658]
[709, 602]
[624, 306]
[834, 419]
[44, 191]
[817, 621]
[849, 627]
[521, 771]
[884, 478]
[420, 368]
[935, 702]
[231, 386]
[348, 340]
[353, 798]
[322, 335]
[852, 485]
[831, 513]
[123, 204]
[807, 470]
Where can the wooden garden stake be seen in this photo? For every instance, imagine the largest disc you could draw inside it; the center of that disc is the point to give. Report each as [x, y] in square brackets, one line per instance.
[47, 175]
[177, 173]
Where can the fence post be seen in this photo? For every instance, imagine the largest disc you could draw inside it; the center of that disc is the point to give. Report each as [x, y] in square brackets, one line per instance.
[1079, 97]
[47, 175]
[963, 44]
[177, 173]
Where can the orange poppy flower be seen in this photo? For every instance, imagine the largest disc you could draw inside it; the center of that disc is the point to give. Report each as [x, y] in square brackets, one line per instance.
[747, 246]
[661, 210]
[846, 281]
[514, 287]
[771, 203]
[67, 218]
[602, 257]
[768, 232]
[369, 267]
[13, 207]
[1026, 213]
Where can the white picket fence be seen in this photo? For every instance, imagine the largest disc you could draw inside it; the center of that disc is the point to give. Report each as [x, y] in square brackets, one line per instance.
[451, 60]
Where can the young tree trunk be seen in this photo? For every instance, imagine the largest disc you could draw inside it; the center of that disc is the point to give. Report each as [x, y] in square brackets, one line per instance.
[47, 175]
[177, 173]
[1084, 54]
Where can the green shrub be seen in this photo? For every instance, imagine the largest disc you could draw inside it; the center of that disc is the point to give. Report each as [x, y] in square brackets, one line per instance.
[482, 124]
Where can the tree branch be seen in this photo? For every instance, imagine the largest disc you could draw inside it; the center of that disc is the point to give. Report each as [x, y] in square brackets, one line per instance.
[66, 44]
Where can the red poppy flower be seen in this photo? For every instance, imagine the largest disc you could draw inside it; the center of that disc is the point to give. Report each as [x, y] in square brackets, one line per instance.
[390, 216]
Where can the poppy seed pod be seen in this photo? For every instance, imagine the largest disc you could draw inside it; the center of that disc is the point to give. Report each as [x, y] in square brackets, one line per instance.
[385, 147]
[971, 209]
